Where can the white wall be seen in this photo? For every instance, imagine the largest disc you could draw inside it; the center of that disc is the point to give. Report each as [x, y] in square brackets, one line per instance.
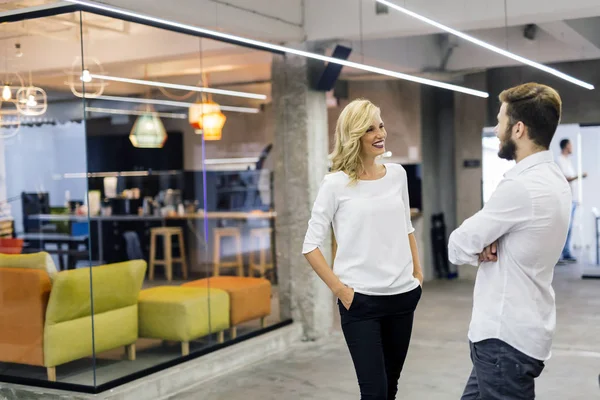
[38, 157]
[590, 146]
[586, 147]
[493, 167]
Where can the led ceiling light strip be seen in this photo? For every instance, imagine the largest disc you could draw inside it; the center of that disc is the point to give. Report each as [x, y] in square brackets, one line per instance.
[181, 87]
[117, 111]
[247, 110]
[277, 48]
[488, 46]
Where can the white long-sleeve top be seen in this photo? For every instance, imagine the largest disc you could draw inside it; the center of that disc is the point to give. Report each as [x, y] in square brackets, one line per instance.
[529, 216]
[566, 166]
[371, 223]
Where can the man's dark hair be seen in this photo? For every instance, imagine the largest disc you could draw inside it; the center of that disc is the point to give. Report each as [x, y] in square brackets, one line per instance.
[538, 107]
[564, 143]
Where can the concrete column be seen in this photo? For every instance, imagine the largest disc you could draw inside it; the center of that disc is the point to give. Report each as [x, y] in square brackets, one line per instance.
[301, 149]
[469, 120]
[437, 121]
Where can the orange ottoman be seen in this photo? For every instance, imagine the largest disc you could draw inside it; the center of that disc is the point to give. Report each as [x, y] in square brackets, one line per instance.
[250, 298]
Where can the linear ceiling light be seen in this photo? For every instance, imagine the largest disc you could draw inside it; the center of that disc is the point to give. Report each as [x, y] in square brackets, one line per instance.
[247, 110]
[281, 49]
[489, 46]
[134, 112]
[181, 87]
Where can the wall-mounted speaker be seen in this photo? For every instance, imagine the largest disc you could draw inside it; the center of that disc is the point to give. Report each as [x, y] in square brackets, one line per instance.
[327, 79]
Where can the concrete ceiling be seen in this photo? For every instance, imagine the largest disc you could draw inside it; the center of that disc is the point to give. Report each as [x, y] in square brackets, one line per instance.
[564, 32]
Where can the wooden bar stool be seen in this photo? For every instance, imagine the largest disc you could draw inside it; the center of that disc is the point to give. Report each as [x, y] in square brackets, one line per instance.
[167, 233]
[220, 233]
[261, 236]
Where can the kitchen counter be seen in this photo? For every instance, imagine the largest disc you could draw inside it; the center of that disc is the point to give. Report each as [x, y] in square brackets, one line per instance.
[201, 215]
[110, 228]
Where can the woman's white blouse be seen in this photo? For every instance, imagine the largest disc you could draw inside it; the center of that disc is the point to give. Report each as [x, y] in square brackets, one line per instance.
[371, 223]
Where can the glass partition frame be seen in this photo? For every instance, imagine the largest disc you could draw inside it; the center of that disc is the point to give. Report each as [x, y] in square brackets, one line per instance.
[203, 230]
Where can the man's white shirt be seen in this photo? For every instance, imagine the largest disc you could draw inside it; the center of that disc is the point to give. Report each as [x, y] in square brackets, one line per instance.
[528, 215]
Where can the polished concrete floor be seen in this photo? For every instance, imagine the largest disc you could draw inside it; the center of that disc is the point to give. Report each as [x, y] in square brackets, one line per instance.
[438, 362]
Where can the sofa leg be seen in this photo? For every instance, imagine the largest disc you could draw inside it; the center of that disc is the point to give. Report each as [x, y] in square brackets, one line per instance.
[221, 337]
[233, 332]
[51, 374]
[130, 350]
[185, 348]
[263, 322]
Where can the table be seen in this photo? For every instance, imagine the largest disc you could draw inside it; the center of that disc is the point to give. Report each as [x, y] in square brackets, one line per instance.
[59, 239]
[233, 215]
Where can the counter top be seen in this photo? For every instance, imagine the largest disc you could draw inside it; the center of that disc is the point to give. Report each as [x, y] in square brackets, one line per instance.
[201, 215]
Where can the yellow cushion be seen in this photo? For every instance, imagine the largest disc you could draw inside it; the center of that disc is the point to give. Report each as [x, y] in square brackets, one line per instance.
[42, 261]
[182, 314]
[114, 286]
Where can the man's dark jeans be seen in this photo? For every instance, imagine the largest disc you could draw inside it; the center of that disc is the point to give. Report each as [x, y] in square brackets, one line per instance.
[501, 372]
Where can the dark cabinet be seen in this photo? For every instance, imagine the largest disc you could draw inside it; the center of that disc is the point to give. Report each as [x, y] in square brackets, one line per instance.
[115, 153]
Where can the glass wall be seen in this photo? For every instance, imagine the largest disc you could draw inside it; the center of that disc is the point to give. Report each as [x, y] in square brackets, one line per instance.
[45, 305]
[136, 198]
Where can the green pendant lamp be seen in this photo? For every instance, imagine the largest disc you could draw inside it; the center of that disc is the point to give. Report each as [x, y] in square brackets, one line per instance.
[148, 132]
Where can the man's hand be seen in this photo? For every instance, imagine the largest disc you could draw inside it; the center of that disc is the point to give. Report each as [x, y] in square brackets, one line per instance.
[346, 296]
[490, 253]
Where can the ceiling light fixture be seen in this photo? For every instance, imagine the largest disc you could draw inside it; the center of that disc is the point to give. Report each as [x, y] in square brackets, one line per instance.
[79, 77]
[207, 119]
[86, 76]
[488, 46]
[181, 87]
[170, 103]
[148, 131]
[282, 49]
[31, 101]
[117, 111]
[18, 51]
[6, 92]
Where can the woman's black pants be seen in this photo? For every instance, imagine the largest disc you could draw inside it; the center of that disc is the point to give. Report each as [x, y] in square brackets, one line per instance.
[377, 330]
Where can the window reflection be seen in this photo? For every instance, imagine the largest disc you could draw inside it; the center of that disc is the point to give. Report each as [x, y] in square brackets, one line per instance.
[135, 234]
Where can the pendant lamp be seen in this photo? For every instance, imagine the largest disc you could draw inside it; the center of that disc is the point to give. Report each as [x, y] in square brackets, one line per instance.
[148, 132]
[207, 119]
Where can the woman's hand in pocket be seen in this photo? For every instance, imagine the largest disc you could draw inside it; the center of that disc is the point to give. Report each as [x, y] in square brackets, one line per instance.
[346, 296]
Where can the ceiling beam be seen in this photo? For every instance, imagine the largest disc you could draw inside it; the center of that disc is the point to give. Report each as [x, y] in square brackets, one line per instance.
[588, 28]
[564, 32]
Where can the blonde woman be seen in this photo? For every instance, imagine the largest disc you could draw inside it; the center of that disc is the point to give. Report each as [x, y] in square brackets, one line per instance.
[377, 276]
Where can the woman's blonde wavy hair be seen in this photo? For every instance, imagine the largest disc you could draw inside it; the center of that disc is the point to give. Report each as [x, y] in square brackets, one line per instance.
[352, 124]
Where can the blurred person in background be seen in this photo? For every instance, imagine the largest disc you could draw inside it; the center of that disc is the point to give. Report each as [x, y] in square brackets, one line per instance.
[566, 166]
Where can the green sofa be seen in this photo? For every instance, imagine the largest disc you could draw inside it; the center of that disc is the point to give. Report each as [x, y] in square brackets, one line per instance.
[58, 325]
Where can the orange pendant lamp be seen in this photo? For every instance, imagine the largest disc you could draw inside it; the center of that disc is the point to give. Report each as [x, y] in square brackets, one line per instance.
[207, 119]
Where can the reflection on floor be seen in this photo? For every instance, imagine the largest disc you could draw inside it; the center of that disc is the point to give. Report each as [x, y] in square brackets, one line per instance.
[438, 362]
[113, 364]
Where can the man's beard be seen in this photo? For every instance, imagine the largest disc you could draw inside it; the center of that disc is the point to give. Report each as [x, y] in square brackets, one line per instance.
[508, 149]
